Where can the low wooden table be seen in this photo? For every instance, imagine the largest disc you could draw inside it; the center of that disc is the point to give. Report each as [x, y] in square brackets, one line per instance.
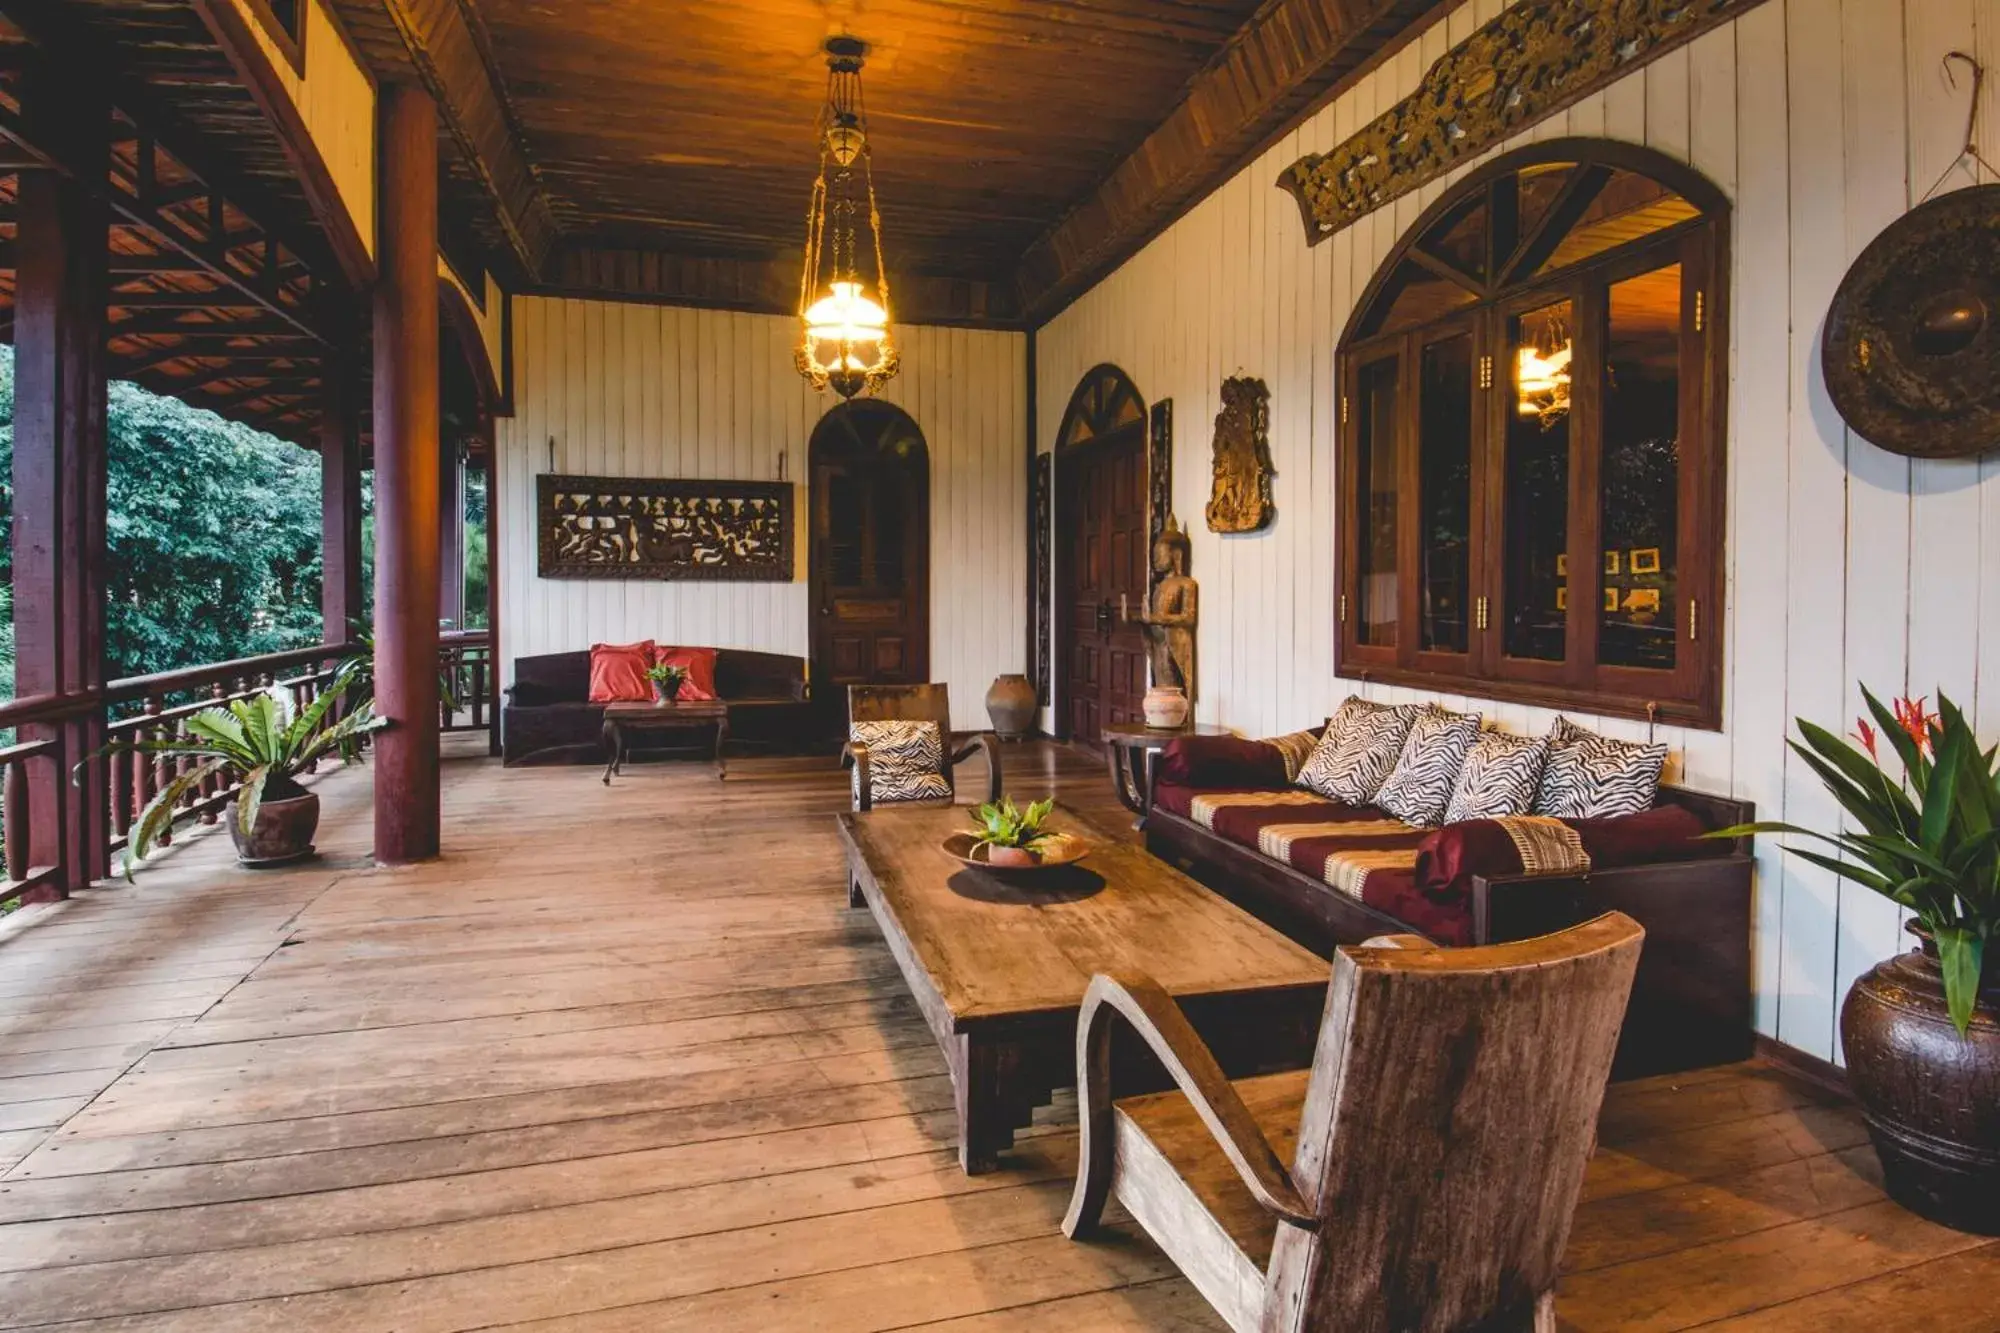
[1133, 749]
[621, 719]
[998, 967]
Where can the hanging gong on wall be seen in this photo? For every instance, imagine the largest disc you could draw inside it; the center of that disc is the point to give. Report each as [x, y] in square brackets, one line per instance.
[1911, 348]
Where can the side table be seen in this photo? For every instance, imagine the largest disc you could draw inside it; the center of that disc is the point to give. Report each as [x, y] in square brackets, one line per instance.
[624, 718]
[1133, 749]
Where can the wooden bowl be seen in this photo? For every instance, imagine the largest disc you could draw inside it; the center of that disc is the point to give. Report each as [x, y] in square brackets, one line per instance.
[1058, 849]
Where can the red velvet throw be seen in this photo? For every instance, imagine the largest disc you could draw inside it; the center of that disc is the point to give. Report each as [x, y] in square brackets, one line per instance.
[700, 664]
[1211, 762]
[618, 672]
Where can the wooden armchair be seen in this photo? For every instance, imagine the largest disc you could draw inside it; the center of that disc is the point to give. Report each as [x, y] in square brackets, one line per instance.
[1437, 1145]
[913, 703]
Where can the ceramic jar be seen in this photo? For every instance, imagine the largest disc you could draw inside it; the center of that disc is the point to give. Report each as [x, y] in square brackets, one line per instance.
[1166, 707]
[1010, 702]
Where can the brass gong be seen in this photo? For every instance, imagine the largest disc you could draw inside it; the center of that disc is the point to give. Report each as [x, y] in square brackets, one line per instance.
[1911, 348]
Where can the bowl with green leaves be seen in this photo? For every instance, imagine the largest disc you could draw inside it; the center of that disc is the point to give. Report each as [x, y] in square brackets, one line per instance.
[666, 681]
[1007, 837]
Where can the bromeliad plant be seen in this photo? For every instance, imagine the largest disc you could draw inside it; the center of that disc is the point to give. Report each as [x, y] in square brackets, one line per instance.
[667, 679]
[1003, 824]
[259, 743]
[1929, 841]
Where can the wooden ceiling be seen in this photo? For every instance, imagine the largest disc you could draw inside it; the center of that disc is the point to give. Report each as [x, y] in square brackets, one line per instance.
[1022, 147]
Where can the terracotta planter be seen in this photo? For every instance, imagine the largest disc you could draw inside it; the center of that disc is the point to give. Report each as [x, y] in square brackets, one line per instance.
[1166, 707]
[1010, 702]
[1932, 1097]
[1009, 856]
[283, 832]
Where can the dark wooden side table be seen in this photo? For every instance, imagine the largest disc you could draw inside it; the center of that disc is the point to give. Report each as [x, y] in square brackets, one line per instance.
[622, 719]
[1133, 749]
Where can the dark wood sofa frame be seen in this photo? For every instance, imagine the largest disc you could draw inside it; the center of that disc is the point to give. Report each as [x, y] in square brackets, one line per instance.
[548, 718]
[1692, 999]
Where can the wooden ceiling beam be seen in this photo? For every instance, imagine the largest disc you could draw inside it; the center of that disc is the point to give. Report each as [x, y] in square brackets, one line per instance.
[1285, 60]
[444, 52]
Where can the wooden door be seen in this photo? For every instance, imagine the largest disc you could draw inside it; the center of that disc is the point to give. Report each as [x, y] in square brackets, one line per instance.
[1102, 557]
[869, 578]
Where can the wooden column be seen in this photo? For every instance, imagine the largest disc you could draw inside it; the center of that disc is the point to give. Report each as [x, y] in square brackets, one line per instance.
[340, 507]
[59, 463]
[451, 535]
[493, 577]
[406, 479]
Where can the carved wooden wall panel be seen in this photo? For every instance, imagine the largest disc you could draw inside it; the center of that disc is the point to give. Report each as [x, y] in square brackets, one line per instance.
[1041, 517]
[1535, 59]
[1241, 498]
[638, 528]
[1159, 477]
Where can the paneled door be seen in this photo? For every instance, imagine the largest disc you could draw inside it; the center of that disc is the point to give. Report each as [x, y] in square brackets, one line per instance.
[870, 552]
[1101, 563]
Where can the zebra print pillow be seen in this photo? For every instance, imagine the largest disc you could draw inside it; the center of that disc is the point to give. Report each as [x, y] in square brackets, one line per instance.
[905, 761]
[1420, 786]
[1359, 749]
[1499, 778]
[1595, 777]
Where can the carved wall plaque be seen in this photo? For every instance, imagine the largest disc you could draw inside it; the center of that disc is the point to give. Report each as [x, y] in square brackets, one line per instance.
[1159, 476]
[638, 528]
[1241, 499]
[1041, 517]
[1535, 59]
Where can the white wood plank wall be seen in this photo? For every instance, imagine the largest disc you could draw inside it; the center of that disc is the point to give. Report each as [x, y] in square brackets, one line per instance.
[632, 390]
[1823, 120]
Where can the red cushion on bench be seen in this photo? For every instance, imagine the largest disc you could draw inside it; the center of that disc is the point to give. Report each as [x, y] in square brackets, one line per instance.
[1223, 761]
[1452, 857]
[618, 672]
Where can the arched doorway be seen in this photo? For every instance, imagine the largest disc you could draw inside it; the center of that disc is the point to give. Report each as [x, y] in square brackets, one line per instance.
[1101, 556]
[870, 551]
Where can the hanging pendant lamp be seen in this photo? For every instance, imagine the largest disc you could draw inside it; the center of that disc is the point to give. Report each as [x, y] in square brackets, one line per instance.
[844, 331]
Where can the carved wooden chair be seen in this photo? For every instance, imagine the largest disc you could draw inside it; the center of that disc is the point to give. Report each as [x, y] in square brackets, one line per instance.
[911, 703]
[1437, 1145]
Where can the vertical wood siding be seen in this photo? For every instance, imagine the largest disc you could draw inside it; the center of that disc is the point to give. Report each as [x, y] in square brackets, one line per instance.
[657, 391]
[1823, 120]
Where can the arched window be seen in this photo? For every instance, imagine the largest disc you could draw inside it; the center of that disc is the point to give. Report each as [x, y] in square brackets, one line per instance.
[1531, 424]
[1104, 401]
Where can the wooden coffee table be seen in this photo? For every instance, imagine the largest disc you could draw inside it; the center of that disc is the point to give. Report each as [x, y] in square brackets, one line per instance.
[999, 967]
[622, 719]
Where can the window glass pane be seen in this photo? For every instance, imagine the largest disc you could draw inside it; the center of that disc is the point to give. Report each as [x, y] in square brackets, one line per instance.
[1641, 470]
[1628, 208]
[1375, 441]
[1536, 506]
[844, 530]
[1445, 468]
[1540, 185]
[1461, 242]
[1418, 296]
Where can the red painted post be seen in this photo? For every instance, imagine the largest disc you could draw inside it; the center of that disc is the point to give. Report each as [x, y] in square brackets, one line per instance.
[61, 281]
[493, 581]
[340, 507]
[406, 480]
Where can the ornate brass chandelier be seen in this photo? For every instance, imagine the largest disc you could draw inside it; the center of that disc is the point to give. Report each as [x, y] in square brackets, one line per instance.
[844, 339]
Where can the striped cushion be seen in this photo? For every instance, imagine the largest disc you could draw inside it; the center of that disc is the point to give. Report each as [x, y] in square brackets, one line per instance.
[905, 761]
[1595, 777]
[1358, 751]
[1500, 777]
[1295, 748]
[1419, 788]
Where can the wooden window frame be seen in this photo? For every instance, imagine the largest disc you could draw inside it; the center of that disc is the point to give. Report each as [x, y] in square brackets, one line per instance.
[291, 44]
[1689, 694]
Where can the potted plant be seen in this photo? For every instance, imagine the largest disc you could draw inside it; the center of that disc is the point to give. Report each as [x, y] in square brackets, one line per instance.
[262, 746]
[1009, 834]
[666, 681]
[1921, 1031]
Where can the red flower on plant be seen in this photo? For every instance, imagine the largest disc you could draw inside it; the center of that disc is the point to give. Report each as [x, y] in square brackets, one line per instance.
[1866, 735]
[1916, 720]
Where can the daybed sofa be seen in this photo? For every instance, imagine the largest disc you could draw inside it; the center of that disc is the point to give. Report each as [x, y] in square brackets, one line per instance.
[549, 719]
[1234, 819]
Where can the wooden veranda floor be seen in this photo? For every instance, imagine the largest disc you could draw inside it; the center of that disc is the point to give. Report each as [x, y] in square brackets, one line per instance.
[623, 1060]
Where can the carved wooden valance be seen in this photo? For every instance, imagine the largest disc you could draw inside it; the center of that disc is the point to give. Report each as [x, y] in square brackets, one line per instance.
[1159, 476]
[639, 528]
[1535, 59]
[1240, 500]
[1041, 519]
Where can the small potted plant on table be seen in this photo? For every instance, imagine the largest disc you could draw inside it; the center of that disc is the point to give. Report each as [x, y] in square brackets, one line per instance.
[1921, 1031]
[666, 682]
[263, 746]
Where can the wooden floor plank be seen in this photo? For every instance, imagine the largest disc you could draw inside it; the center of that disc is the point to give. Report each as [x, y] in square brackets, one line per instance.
[596, 1069]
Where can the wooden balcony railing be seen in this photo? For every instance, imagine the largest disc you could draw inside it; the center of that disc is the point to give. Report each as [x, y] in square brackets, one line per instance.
[157, 707]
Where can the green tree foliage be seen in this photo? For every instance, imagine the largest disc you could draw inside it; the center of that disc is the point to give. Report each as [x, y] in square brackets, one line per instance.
[214, 534]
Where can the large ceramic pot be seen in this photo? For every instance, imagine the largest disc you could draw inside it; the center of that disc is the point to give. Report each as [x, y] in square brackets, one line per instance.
[282, 833]
[1165, 707]
[1010, 702]
[1932, 1097]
